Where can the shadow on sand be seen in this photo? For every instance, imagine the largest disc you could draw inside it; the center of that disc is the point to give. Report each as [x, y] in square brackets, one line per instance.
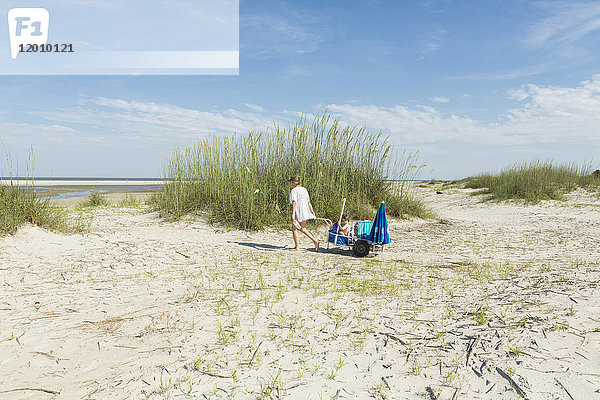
[259, 246]
[270, 247]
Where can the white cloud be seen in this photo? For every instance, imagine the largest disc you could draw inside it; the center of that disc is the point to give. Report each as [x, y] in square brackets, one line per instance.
[111, 121]
[570, 22]
[515, 73]
[254, 107]
[429, 49]
[28, 133]
[271, 35]
[407, 125]
[542, 115]
[440, 99]
[429, 43]
[545, 114]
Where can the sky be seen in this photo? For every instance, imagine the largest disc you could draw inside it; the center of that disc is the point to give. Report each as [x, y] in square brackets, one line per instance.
[472, 86]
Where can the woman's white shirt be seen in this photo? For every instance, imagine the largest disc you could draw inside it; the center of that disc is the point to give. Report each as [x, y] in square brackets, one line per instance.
[300, 195]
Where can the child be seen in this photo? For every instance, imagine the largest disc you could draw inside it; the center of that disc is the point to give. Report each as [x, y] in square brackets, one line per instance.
[345, 225]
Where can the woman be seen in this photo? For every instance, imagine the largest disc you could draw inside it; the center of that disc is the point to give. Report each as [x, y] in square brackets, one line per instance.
[302, 211]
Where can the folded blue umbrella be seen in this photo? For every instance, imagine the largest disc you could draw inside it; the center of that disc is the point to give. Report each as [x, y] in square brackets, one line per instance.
[379, 232]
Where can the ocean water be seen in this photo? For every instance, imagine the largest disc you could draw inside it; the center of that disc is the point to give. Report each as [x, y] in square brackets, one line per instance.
[80, 187]
[67, 192]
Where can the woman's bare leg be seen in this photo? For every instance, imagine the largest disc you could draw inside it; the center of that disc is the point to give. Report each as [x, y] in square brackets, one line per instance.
[307, 233]
[295, 235]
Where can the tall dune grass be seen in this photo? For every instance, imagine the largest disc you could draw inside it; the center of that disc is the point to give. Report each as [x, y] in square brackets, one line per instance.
[20, 204]
[242, 180]
[535, 181]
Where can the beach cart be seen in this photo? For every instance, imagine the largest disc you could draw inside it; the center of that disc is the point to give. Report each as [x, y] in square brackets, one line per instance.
[363, 237]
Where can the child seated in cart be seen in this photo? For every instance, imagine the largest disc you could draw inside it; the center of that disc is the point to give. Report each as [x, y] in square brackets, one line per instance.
[344, 227]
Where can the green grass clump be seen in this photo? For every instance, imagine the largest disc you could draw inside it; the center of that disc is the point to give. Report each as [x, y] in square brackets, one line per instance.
[129, 201]
[404, 205]
[94, 200]
[19, 205]
[242, 180]
[534, 181]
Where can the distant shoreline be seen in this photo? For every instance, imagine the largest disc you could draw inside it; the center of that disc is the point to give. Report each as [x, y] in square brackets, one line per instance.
[64, 181]
[76, 188]
[73, 188]
[84, 182]
[77, 178]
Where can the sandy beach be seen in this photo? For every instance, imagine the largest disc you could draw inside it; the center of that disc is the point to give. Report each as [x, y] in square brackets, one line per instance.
[486, 301]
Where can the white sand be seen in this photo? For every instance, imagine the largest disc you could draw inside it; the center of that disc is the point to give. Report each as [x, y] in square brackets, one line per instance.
[145, 308]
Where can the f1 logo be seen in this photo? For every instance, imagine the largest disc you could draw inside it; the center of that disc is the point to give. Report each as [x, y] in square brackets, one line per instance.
[27, 26]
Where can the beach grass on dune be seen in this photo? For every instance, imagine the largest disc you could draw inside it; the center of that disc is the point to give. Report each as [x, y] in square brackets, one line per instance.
[241, 180]
[94, 200]
[20, 205]
[534, 181]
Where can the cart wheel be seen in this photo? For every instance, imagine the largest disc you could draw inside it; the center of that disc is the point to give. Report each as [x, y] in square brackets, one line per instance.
[361, 248]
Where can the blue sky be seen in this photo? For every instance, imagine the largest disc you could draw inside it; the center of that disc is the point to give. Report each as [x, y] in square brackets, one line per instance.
[472, 85]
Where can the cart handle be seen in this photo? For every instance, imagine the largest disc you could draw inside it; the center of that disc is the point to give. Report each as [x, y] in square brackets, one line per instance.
[327, 221]
[329, 224]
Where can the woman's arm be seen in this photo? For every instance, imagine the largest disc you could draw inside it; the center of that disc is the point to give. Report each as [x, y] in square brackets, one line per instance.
[311, 209]
[293, 209]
